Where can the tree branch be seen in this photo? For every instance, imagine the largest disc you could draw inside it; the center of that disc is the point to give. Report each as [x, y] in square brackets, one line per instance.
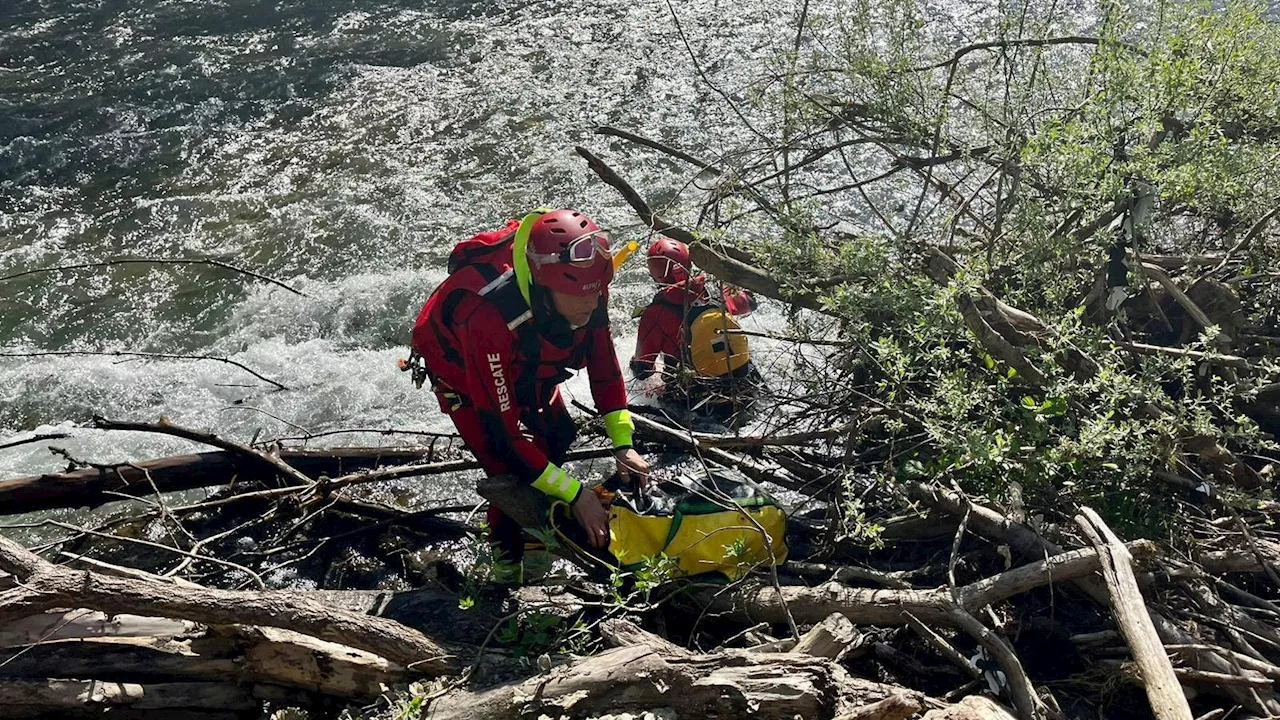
[726, 268]
[1019, 42]
[156, 261]
[167, 428]
[147, 355]
[33, 439]
[48, 586]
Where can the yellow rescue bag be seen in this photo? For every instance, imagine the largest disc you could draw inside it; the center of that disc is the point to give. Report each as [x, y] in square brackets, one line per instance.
[723, 524]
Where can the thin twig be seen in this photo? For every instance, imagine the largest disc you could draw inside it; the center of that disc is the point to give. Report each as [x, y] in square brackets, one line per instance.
[167, 428]
[660, 147]
[33, 439]
[156, 261]
[942, 645]
[144, 355]
[168, 548]
[693, 57]
[1019, 42]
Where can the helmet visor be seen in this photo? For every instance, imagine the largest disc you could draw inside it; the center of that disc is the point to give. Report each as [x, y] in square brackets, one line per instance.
[584, 251]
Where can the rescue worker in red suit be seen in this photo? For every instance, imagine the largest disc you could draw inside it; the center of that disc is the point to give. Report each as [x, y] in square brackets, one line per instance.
[664, 321]
[524, 306]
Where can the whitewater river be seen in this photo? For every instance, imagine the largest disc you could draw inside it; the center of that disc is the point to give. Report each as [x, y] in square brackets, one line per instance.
[341, 147]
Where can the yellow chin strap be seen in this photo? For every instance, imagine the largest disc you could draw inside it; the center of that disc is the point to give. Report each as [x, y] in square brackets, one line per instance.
[519, 252]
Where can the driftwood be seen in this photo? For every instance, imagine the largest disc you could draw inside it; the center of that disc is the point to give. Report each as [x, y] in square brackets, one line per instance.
[974, 707]
[431, 611]
[886, 607]
[93, 698]
[831, 638]
[1167, 700]
[1024, 543]
[45, 586]
[622, 633]
[639, 678]
[1247, 560]
[91, 487]
[71, 624]
[895, 707]
[230, 654]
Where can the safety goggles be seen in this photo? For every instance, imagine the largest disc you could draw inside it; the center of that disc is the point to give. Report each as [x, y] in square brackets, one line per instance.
[582, 252]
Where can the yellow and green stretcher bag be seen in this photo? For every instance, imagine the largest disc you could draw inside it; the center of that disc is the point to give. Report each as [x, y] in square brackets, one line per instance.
[718, 523]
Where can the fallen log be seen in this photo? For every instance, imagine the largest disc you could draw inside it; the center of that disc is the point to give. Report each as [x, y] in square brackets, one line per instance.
[44, 586]
[230, 654]
[1241, 560]
[431, 611]
[974, 707]
[1163, 690]
[1025, 543]
[895, 707]
[91, 487]
[887, 607]
[80, 623]
[161, 701]
[623, 633]
[639, 678]
[251, 454]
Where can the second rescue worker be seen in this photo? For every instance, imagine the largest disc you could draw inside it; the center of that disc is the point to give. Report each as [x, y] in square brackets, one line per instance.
[523, 307]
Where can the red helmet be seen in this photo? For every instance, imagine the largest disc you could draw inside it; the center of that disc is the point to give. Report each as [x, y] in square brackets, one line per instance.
[569, 253]
[668, 261]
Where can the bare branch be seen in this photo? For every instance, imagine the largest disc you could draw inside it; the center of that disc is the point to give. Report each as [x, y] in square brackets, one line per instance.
[660, 147]
[1020, 42]
[145, 355]
[156, 261]
[167, 428]
[734, 271]
[33, 439]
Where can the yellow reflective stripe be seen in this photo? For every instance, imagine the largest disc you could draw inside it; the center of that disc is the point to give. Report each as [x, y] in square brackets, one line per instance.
[557, 483]
[519, 260]
[619, 426]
